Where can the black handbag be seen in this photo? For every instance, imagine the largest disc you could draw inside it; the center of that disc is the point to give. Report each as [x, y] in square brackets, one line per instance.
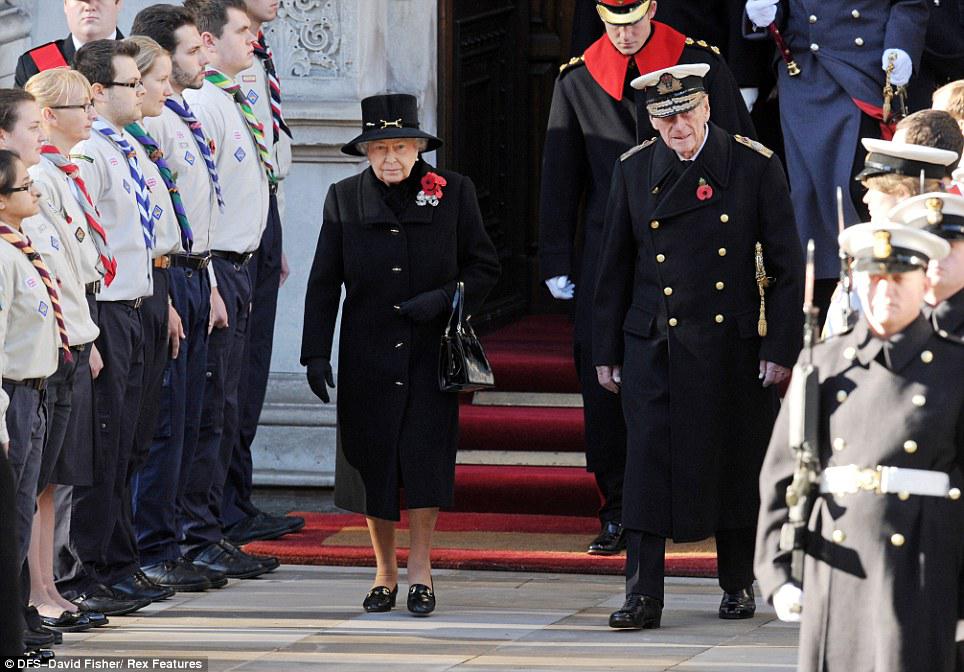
[463, 366]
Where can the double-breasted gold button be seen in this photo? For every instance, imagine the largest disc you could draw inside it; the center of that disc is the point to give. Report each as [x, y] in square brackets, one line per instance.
[724, 218]
[672, 321]
[668, 291]
[660, 258]
[718, 318]
[927, 356]
[721, 251]
[954, 493]
[720, 285]
[897, 539]
[910, 446]
[654, 224]
[838, 536]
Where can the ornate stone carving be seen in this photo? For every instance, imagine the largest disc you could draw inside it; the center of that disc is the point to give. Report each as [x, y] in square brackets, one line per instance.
[308, 39]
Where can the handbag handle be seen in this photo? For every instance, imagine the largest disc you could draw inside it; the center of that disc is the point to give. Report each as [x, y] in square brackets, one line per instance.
[458, 298]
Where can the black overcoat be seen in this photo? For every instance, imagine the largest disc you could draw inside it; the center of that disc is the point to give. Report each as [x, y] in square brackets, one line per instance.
[397, 429]
[677, 306]
[874, 601]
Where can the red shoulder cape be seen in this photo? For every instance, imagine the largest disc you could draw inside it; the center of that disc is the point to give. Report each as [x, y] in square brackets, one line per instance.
[608, 67]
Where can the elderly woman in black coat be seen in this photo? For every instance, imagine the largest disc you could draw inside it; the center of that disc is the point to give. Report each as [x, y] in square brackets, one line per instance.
[399, 237]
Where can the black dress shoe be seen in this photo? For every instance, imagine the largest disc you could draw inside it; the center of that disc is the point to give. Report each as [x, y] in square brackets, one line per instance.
[639, 612]
[102, 599]
[223, 557]
[421, 599]
[97, 619]
[39, 656]
[260, 527]
[217, 579]
[610, 541]
[39, 638]
[380, 599]
[67, 622]
[138, 586]
[177, 576]
[268, 562]
[738, 605]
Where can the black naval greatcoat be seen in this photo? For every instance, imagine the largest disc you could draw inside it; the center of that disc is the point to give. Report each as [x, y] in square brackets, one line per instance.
[397, 429]
[882, 570]
[677, 305]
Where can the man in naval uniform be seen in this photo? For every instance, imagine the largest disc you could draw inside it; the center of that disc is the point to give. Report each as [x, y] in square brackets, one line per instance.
[88, 20]
[695, 321]
[593, 119]
[885, 538]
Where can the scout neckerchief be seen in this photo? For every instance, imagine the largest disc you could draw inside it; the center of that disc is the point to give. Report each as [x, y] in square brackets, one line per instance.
[157, 158]
[22, 243]
[203, 143]
[228, 85]
[263, 51]
[141, 193]
[106, 264]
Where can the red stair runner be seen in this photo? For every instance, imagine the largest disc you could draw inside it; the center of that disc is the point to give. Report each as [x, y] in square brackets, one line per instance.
[520, 428]
[533, 355]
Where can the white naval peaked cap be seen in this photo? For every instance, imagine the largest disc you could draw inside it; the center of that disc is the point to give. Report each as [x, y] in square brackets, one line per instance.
[886, 157]
[677, 71]
[938, 212]
[891, 248]
[673, 90]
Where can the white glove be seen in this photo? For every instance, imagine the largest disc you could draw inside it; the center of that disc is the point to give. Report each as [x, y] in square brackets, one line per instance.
[750, 94]
[561, 287]
[761, 12]
[903, 66]
[788, 601]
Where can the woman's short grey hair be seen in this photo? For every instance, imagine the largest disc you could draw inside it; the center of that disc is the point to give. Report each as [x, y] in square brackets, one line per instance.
[420, 143]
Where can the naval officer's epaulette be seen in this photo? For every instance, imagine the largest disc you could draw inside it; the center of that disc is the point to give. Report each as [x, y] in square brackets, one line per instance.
[702, 43]
[573, 62]
[643, 145]
[754, 145]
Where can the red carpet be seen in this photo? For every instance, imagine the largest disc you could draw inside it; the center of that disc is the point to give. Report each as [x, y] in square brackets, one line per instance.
[533, 355]
[477, 541]
[553, 491]
[520, 428]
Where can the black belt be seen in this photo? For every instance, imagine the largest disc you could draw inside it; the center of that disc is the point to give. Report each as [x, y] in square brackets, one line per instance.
[236, 258]
[33, 383]
[195, 262]
[92, 287]
[132, 303]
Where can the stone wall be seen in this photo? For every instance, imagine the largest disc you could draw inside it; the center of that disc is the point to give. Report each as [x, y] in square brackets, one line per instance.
[330, 54]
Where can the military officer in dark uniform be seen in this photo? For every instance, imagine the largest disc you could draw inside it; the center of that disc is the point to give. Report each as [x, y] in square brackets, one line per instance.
[885, 543]
[88, 20]
[593, 119]
[682, 335]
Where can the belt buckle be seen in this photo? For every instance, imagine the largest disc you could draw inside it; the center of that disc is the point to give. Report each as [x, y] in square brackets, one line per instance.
[138, 301]
[868, 479]
[204, 262]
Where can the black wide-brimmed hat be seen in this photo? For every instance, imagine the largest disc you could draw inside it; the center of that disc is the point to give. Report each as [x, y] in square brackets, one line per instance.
[391, 115]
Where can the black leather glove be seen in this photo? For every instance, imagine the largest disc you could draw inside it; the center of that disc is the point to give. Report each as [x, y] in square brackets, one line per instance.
[426, 306]
[320, 378]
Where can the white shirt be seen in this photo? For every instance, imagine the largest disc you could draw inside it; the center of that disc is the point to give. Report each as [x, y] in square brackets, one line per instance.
[706, 134]
[254, 87]
[27, 325]
[78, 44]
[182, 155]
[167, 232]
[78, 238]
[107, 176]
[244, 184]
[48, 233]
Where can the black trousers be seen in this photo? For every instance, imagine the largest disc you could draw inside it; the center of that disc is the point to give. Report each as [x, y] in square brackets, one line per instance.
[645, 557]
[265, 273]
[605, 432]
[11, 619]
[203, 492]
[97, 509]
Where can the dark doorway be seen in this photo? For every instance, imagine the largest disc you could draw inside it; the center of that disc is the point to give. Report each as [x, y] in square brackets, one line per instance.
[498, 61]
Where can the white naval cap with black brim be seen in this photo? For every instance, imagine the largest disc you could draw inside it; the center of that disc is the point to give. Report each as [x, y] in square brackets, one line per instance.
[672, 90]
[939, 213]
[900, 158]
[888, 247]
[622, 12]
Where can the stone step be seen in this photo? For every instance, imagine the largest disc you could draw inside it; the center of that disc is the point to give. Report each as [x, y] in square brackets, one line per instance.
[521, 458]
[541, 399]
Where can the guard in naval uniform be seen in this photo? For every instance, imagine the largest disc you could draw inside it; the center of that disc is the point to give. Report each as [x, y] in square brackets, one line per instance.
[681, 334]
[885, 540]
[593, 119]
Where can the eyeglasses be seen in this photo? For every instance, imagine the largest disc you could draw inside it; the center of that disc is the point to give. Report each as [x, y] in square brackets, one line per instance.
[27, 187]
[130, 85]
[86, 107]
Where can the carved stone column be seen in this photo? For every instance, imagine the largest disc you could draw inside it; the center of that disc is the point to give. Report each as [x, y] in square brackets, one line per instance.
[14, 36]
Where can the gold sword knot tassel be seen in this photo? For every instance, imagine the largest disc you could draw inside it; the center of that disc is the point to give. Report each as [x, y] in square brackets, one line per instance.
[762, 282]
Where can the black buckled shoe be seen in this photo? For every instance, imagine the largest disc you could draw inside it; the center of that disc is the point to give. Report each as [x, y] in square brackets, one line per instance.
[610, 541]
[639, 612]
[178, 576]
[104, 600]
[738, 605]
[67, 622]
[380, 599]
[217, 579]
[137, 586]
[421, 599]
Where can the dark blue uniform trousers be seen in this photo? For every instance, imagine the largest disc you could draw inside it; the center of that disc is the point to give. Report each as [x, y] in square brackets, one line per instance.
[11, 621]
[265, 273]
[158, 485]
[203, 491]
[98, 508]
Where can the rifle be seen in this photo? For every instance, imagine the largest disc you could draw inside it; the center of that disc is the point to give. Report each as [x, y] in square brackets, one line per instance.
[846, 276]
[803, 398]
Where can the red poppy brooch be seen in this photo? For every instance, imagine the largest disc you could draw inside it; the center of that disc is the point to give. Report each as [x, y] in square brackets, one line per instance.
[704, 192]
[431, 192]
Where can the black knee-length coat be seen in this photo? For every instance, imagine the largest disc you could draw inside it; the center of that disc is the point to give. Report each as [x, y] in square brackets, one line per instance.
[396, 428]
